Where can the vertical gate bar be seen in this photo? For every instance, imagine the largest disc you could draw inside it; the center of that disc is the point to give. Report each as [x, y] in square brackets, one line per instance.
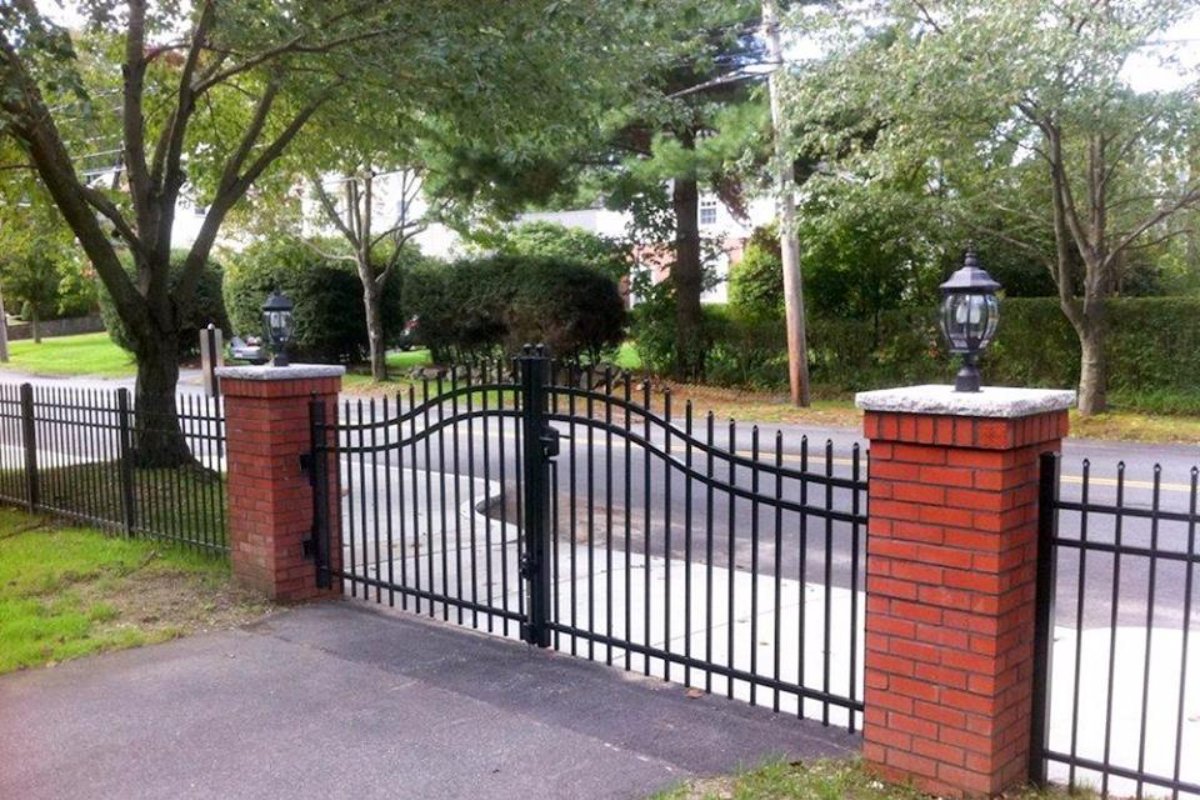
[502, 469]
[442, 499]
[519, 480]
[128, 509]
[1043, 641]
[386, 425]
[534, 367]
[554, 536]
[375, 504]
[730, 527]
[608, 515]
[487, 482]
[362, 488]
[778, 566]
[348, 430]
[667, 532]
[708, 555]
[572, 473]
[803, 573]
[591, 514]
[458, 564]
[318, 446]
[1155, 508]
[1187, 620]
[687, 543]
[29, 433]
[416, 498]
[647, 533]
[754, 508]
[1115, 605]
[855, 477]
[471, 496]
[825, 660]
[1079, 595]
[428, 464]
[402, 505]
[627, 393]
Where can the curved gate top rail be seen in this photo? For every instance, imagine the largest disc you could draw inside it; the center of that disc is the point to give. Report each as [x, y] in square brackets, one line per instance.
[560, 500]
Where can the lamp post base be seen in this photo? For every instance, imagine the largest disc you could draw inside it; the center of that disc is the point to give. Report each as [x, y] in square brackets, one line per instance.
[968, 379]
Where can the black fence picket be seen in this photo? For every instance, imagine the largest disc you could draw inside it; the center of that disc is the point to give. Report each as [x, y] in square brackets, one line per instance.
[1117, 593]
[71, 452]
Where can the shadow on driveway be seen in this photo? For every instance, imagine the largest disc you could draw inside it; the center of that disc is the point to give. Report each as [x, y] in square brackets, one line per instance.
[338, 700]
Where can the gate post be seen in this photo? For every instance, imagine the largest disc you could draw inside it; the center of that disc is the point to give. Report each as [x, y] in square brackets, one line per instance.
[29, 434]
[952, 557]
[268, 436]
[539, 444]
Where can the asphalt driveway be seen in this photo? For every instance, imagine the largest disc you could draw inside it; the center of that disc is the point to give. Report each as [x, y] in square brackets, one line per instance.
[340, 700]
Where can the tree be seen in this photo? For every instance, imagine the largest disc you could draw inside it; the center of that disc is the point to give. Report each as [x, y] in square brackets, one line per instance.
[693, 128]
[211, 94]
[1022, 119]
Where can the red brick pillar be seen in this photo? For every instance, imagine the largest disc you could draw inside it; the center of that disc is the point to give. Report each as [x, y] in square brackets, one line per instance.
[951, 565]
[270, 500]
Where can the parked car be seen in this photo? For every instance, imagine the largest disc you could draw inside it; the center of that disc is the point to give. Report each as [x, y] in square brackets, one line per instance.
[249, 349]
[409, 336]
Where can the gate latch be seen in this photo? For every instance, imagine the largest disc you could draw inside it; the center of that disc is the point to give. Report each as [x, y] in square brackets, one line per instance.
[549, 440]
[528, 567]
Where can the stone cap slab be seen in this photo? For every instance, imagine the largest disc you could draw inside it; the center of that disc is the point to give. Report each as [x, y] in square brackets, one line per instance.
[991, 401]
[292, 372]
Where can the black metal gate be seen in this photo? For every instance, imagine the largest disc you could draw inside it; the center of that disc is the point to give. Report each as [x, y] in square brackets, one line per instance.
[1117, 682]
[556, 504]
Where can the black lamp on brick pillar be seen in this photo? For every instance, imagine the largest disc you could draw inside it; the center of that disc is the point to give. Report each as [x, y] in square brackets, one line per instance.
[970, 313]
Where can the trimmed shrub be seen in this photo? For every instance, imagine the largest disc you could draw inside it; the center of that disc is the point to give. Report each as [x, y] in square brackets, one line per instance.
[756, 281]
[207, 306]
[1153, 350]
[476, 308]
[552, 240]
[331, 322]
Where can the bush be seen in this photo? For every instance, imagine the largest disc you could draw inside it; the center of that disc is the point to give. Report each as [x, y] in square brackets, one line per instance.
[1153, 350]
[331, 322]
[207, 306]
[476, 308]
[756, 281]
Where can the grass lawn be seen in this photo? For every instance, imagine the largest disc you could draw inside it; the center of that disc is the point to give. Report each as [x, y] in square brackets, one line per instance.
[822, 780]
[84, 354]
[69, 592]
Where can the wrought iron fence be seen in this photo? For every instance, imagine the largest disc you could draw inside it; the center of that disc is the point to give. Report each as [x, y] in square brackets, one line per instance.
[74, 453]
[1117, 698]
[563, 506]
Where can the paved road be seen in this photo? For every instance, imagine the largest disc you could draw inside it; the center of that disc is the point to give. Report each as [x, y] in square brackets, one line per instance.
[339, 701]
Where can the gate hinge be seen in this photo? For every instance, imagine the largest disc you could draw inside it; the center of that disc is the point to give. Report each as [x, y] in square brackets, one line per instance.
[549, 440]
[309, 546]
[306, 466]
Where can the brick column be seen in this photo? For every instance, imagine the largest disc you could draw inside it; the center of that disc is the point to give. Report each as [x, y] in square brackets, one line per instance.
[270, 500]
[951, 566]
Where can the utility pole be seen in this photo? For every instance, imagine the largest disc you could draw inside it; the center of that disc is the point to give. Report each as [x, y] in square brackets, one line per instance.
[785, 187]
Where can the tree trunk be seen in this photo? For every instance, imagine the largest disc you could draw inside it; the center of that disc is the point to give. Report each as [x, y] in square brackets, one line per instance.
[1093, 368]
[158, 440]
[687, 278]
[372, 299]
[3, 332]
[33, 324]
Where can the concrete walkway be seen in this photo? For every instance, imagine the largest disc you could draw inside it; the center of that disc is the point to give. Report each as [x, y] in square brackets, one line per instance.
[338, 700]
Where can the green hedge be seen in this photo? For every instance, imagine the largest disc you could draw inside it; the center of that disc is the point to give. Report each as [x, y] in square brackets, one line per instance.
[478, 307]
[1153, 349]
[331, 321]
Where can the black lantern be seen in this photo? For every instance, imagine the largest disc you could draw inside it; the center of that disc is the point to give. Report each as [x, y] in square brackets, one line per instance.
[278, 326]
[970, 311]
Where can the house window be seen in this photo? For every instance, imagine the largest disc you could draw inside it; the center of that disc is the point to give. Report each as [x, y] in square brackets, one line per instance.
[708, 212]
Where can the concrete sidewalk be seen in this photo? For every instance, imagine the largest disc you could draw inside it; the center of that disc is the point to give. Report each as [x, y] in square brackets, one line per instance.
[338, 700]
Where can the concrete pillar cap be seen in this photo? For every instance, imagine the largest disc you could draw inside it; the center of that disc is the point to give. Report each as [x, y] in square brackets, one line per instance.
[991, 401]
[292, 372]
